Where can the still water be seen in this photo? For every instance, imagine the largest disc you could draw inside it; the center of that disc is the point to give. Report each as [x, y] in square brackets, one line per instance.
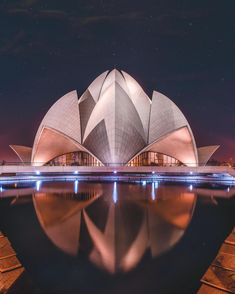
[93, 237]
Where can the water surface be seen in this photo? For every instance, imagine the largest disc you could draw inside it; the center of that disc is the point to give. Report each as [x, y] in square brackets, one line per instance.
[94, 237]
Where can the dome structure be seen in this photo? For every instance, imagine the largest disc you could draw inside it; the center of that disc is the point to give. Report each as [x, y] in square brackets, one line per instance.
[114, 122]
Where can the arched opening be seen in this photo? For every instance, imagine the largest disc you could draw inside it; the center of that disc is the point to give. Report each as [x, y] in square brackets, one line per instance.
[78, 158]
[149, 158]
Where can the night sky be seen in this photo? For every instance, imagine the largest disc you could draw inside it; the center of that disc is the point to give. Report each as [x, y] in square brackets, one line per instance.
[184, 49]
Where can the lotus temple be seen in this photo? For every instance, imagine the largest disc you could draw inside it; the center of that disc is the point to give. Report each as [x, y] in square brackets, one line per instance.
[114, 123]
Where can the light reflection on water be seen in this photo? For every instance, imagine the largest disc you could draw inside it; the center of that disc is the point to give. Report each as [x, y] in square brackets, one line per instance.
[122, 221]
[73, 236]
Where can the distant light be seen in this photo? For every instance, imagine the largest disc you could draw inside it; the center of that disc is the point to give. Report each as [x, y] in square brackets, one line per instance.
[38, 184]
[144, 183]
[191, 172]
[38, 172]
[228, 189]
[191, 187]
[1, 189]
[115, 195]
[76, 187]
[153, 172]
[114, 171]
[76, 172]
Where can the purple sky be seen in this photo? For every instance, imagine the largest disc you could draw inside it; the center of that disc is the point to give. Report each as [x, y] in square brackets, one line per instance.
[184, 49]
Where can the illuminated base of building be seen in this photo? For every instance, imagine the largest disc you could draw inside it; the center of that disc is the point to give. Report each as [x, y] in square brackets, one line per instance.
[30, 172]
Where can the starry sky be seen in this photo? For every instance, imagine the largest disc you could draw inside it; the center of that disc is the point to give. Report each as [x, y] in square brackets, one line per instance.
[184, 49]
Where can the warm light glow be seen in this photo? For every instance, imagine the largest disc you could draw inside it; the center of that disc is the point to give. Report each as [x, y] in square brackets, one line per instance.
[177, 144]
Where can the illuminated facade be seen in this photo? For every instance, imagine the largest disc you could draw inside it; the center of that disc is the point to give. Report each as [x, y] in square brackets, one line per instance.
[114, 123]
[148, 158]
[78, 158]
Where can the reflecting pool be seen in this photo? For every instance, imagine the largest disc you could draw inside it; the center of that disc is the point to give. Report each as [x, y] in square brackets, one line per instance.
[114, 237]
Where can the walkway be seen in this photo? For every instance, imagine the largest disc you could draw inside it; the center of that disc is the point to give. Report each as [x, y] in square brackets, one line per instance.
[10, 267]
[220, 276]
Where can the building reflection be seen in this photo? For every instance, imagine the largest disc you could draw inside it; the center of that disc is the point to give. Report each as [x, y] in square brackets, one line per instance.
[59, 213]
[116, 230]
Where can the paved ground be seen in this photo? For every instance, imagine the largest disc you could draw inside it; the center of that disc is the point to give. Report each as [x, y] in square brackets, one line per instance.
[10, 267]
[220, 276]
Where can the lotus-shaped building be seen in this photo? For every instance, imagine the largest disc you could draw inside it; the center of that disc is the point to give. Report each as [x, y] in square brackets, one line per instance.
[114, 122]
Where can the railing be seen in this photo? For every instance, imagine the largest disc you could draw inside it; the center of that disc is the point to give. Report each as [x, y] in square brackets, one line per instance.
[12, 163]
